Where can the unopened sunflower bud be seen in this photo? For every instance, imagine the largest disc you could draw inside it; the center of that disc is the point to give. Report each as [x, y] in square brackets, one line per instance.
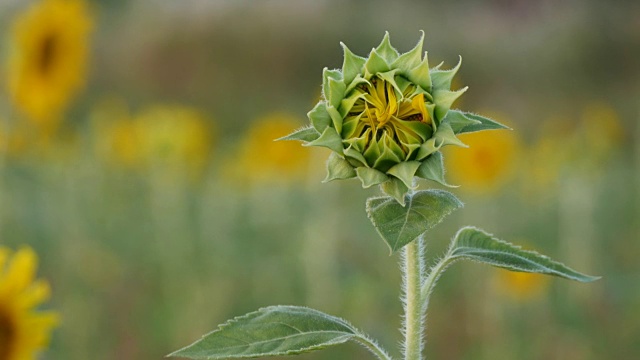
[386, 117]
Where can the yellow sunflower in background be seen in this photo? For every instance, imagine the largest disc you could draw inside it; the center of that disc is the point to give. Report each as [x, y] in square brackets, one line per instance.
[23, 331]
[169, 136]
[488, 163]
[602, 131]
[48, 58]
[12, 142]
[520, 286]
[115, 134]
[548, 155]
[261, 159]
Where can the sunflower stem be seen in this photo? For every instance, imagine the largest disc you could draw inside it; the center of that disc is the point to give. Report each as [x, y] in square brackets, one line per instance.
[413, 270]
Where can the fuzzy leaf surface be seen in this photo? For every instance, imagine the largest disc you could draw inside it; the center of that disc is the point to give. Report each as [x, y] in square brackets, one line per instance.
[475, 244]
[272, 331]
[398, 225]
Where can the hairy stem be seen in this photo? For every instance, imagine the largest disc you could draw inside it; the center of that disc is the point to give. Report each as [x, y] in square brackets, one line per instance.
[413, 267]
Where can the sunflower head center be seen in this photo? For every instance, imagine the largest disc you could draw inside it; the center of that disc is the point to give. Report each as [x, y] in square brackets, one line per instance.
[7, 335]
[48, 53]
[384, 106]
[387, 117]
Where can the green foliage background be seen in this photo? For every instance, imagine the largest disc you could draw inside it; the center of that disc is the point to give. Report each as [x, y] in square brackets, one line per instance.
[143, 262]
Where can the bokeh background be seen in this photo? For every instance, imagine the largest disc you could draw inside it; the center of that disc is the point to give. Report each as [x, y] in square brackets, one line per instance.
[136, 158]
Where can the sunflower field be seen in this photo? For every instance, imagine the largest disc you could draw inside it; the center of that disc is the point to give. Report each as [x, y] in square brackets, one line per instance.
[143, 199]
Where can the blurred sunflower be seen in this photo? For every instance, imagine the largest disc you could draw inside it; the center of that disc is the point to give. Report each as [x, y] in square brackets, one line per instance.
[260, 159]
[547, 156]
[487, 164]
[12, 142]
[48, 58]
[115, 133]
[567, 144]
[171, 136]
[520, 286]
[601, 130]
[23, 331]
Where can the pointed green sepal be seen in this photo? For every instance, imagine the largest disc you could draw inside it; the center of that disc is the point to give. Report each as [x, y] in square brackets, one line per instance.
[336, 92]
[306, 134]
[347, 103]
[338, 168]
[443, 136]
[398, 225]
[355, 158]
[319, 117]
[326, 75]
[444, 99]
[474, 244]
[458, 121]
[432, 168]
[411, 59]
[442, 79]
[336, 118]
[370, 177]
[420, 74]
[395, 188]
[390, 77]
[352, 65]
[375, 64]
[355, 82]
[437, 67]
[427, 148]
[484, 124]
[405, 171]
[386, 51]
[329, 139]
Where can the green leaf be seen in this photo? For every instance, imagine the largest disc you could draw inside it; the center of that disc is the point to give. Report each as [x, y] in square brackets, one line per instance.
[276, 331]
[319, 117]
[306, 134]
[398, 225]
[475, 244]
[352, 65]
[329, 139]
[370, 177]
[338, 168]
[432, 168]
[484, 124]
[388, 52]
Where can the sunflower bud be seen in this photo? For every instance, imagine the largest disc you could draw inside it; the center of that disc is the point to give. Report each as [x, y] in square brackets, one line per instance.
[386, 117]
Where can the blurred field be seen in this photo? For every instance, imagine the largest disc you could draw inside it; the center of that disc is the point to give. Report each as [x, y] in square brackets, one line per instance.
[145, 178]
